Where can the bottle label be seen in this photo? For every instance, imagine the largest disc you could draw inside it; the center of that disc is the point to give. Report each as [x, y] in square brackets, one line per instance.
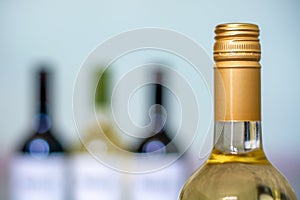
[37, 178]
[163, 184]
[92, 180]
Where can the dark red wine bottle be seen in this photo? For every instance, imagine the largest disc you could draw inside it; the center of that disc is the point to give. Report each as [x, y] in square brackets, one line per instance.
[42, 141]
[160, 140]
[38, 168]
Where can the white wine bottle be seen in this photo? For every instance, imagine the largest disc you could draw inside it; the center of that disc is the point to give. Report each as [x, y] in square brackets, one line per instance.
[237, 168]
[38, 168]
[90, 178]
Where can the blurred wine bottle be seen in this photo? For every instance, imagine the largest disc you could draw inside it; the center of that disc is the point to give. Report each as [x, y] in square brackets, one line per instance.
[164, 183]
[38, 168]
[91, 178]
[159, 141]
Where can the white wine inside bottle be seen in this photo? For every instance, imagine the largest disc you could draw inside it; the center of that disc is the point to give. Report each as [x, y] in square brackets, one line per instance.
[237, 168]
[90, 178]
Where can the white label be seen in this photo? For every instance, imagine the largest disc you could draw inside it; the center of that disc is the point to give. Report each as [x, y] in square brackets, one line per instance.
[91, 180]
[37, 178]
[164, 184]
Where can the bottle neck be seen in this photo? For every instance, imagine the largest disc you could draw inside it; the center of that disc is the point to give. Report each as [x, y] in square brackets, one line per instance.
[237, 54]
[237, 110]
[237, 137]
[43, 120]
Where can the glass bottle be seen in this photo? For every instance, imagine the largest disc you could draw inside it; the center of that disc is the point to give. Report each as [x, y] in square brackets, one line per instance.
[237, 167]
[165, 182]
[159, 141]
[90, 178]
[38, 169]
[43, 137]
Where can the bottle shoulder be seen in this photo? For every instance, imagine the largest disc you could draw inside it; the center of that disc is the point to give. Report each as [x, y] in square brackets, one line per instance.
[157, 142]
[100, 136]
[253, 157]
[42, 142]
[239, 180]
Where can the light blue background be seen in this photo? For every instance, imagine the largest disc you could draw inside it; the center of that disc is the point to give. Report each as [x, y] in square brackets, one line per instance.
[64, 32]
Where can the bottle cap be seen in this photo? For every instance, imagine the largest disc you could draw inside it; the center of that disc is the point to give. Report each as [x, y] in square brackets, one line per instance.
[237, 72]
[238, 44]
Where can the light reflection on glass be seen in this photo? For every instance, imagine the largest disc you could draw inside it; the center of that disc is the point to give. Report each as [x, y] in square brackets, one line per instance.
[43, 122]
[39, 148]
[230, 198]
[155, 146]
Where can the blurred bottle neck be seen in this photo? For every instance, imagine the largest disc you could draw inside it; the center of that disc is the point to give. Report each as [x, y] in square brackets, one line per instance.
[43, 121]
